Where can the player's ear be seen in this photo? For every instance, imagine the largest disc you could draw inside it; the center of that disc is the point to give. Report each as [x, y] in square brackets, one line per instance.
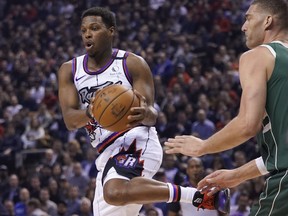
[268, 22]
[112, 30]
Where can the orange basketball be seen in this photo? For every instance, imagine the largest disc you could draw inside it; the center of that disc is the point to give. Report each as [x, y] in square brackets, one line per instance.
[111, 106]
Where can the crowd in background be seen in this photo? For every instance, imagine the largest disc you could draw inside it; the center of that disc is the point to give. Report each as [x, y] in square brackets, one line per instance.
[192, 48]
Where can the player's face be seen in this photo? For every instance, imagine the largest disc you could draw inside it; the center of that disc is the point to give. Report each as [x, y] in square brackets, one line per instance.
[254, 26]
[95, 35]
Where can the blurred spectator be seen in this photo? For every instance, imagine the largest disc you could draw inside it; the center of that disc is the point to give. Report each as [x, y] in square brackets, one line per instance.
[62, 208]
[49, 158]
[53, 188]
[13, 108]
[57, 171]
[3, 210]
[73, 202]
[12, 192]
[194, 173]
[85, 207]
[67, 165]
[37, 92]
[34, 208]
[169, 163]
[20, 207]
[34, 186]
[239, 158]
[64, 188]
[78, 179]
[243, 205]
[9, 206]
[10, 144]
[46, 204]
[75, 151]
[4, 178]
[180, 76]
[164, 67]
[150, 210]
[34, 134]
[203, 126]
[88, 165]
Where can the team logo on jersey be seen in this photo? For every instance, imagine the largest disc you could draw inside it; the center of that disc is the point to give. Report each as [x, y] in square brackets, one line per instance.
[90, 127]
[115, 68]
[87, 93]
[129, 158]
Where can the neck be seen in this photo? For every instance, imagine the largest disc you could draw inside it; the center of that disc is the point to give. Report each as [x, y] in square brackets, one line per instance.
[279, 35]
[98, 60]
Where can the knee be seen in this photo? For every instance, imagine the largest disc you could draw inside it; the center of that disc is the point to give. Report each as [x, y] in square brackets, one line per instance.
[114, 194]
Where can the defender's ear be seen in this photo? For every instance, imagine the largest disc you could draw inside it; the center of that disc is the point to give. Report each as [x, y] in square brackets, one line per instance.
[268, 22]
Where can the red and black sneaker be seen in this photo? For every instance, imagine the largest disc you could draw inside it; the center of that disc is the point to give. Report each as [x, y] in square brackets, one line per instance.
[219, 201]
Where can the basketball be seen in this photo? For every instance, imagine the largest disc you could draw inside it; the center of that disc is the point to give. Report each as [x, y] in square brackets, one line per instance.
[111, 106]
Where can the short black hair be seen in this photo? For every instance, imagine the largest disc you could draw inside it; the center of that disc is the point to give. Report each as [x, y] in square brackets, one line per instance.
[108, 16]
[279, 8]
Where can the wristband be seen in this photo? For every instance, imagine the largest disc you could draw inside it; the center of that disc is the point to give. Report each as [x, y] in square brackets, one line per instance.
[261, 166]
[88, 114]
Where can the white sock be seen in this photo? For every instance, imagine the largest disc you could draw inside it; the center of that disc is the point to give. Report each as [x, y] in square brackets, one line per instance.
[180, 194]
[187, 194]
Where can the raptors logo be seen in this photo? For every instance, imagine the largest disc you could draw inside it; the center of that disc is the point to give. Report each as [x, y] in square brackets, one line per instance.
[90, 127]
[130, 157]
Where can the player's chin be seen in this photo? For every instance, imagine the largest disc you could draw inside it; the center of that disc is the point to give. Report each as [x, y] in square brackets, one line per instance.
[90, 52]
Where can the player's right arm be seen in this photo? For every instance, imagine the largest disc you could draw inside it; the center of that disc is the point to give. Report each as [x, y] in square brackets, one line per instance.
[69, 100]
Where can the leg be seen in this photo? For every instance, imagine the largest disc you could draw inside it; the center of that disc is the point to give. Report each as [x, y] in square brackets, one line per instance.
[102, 208]
[138, 190]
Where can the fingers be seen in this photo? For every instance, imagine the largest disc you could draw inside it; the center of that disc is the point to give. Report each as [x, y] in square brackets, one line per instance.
[141, 97]
[174, 145]
[211, 184]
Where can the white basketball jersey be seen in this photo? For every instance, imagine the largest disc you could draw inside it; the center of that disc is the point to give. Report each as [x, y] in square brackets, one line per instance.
[87, 82]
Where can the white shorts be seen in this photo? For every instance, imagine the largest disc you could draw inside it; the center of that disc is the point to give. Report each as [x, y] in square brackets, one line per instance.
[137, 153]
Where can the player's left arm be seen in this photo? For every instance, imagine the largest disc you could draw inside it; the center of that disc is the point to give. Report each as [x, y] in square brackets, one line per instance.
[143, 85]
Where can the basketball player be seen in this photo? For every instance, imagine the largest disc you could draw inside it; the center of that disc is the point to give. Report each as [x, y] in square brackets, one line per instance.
[128, 159]
[263, 110]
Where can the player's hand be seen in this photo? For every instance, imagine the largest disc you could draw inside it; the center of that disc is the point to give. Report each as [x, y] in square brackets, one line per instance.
[218, 180]
[138, 114]
[187, 145]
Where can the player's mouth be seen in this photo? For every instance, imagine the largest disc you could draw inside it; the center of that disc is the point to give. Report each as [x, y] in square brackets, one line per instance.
[88, 45]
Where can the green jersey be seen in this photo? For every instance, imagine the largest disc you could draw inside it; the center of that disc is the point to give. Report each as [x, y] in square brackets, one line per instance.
[273, 137]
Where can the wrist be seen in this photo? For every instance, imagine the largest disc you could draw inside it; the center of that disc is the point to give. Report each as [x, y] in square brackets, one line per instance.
[88, 113]
[261, 166]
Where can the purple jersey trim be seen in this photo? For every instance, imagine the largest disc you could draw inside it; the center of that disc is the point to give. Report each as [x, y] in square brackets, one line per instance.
[74, 63]
[85, 64]
[125, 68]
[109, 140]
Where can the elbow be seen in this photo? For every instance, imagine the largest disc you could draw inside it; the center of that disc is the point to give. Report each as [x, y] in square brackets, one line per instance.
[251, 129]
[70, 126]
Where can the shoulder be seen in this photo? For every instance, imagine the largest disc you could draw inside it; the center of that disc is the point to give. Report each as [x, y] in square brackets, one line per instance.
[66, 64]
[132, 58]
[259, 53]
[65, 68]
[136, 64]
